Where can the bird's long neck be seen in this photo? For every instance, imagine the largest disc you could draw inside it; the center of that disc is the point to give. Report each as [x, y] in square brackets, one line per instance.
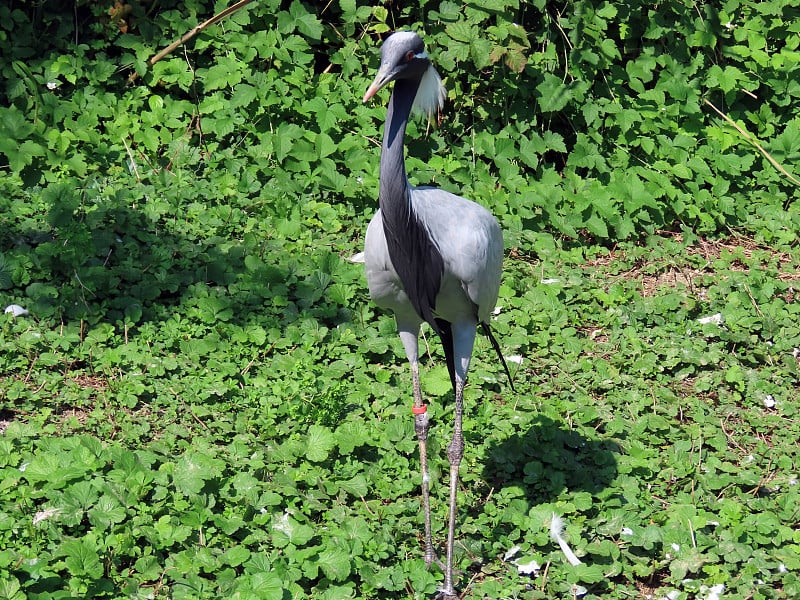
[414, 254]
[394, 194]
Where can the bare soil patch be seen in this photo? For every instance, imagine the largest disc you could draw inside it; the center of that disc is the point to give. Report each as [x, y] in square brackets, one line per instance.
[739, 253]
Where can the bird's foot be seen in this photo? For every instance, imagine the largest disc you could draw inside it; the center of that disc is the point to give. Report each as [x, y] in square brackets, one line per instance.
[447, 591]
[446, 594]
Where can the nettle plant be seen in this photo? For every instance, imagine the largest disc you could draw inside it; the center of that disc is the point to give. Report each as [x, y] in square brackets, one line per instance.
[203, 403]
[583, 118]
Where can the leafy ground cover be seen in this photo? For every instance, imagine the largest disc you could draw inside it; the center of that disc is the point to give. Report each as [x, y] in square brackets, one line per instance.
[204, 457]
[201, 401]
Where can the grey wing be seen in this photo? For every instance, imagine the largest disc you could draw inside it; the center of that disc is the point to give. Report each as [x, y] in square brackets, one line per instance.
[384, 284]
[471, 244]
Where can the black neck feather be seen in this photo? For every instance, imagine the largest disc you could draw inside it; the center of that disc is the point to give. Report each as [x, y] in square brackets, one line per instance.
[414, 255]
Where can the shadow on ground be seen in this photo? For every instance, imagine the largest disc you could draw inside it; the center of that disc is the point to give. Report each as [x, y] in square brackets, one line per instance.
[546, 459]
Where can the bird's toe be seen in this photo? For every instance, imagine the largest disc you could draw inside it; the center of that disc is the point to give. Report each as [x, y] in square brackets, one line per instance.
[446, 594]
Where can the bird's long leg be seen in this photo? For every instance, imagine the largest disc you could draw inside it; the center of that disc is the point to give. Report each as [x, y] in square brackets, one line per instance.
[454, 453]
[409, 335]
[421, 428]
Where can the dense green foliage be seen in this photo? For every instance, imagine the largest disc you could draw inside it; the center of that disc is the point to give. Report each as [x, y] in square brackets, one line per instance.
[201, 401]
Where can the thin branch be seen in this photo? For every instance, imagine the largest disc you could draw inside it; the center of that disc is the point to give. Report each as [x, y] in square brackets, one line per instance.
[190, 34]
[755, 143]
[132, 159]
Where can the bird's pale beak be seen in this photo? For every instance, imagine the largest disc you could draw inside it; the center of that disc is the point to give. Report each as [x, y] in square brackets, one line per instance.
[381, 79]
[371, 91]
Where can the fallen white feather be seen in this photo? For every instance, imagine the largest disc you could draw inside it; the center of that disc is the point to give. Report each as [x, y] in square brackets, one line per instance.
[16, 310]
[557, 533]
[715, 591]
[45, 514]
[715, 318]
[528, 568]
[357, 258]
[511, 553]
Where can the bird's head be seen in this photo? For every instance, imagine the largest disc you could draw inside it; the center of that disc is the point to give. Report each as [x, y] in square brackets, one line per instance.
[403, 56]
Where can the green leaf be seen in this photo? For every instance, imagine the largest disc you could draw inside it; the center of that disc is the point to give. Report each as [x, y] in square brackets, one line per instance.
[325, 145]
[319, 442]
[13, 124]
[437, 381]
[287, 530]
[590, 573]
[5, 274]
[192, 471]
[335, 563]
[284, 140]
[357, 486]
[461, 31]
[307, 23]
[726, 79]
[170, 532]
[785, 147]
[20, 155]
[10, 588]
[225, 73]
[236, 556]
[597, 226]
[531, 149]
[298, 18]
[690, 560]
[554, 141]
[243, 95]
[81, 557]
[351, 435]
[554, 95]
[106, 512]
[609, 49]
[268, 586]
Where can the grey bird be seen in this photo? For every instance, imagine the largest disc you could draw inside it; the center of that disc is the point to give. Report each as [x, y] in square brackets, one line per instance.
[430, 256]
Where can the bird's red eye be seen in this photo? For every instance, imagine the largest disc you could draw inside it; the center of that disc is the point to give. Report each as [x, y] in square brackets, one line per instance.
[410, 56]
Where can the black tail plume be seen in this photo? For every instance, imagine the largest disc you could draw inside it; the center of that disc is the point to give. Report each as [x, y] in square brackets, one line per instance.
[487, 330]
[445, 331]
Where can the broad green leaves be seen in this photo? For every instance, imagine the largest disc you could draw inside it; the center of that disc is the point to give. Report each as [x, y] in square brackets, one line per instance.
[81, 558]
[193, 470]
[298, 18]
[320, 441]
[202, 402]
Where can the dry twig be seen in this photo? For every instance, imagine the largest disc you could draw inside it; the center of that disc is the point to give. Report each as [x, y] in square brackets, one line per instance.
[190, 34]
[755, 143]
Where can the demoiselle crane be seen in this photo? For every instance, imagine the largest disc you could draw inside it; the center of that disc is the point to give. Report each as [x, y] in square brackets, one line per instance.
[430, 256]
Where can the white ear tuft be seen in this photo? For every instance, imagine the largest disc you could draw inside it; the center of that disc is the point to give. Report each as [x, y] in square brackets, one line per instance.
[430, 95]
